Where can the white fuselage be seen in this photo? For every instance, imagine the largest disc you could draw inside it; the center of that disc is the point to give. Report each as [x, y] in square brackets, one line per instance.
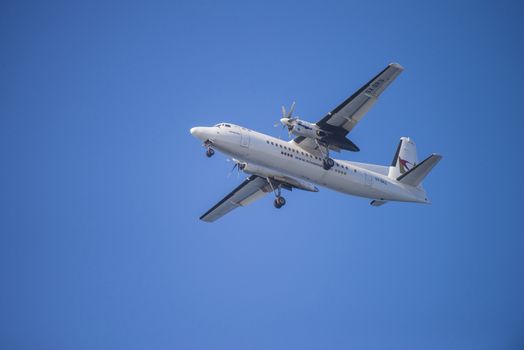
[288, 158]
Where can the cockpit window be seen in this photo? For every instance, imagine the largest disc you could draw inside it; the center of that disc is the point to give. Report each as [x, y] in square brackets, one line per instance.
[223, 124]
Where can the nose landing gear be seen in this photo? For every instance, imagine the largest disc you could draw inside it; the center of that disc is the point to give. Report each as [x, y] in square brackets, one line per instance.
[209, 151]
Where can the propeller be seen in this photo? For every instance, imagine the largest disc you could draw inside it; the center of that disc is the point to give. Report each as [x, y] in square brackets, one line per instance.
[287, 118]
[234, 166]
[288, 115]
[238, 165]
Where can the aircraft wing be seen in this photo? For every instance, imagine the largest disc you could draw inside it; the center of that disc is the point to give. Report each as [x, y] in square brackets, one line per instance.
[341, 120]
[253, 188]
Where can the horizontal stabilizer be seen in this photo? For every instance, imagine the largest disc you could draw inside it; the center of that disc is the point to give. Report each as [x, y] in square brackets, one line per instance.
[415, 176]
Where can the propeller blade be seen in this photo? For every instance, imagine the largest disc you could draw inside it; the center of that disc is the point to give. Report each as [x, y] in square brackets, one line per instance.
[283, 112]
[292, 109]
[231, 171]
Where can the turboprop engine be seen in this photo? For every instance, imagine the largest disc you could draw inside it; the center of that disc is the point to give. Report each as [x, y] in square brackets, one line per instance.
[264, 172]
[299, 127]
[328, 135]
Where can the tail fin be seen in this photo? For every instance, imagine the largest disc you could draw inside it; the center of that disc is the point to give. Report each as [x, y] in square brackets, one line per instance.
[405, 167]
[405, 158]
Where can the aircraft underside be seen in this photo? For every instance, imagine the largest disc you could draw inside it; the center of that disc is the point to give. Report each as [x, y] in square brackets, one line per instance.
[273, 164]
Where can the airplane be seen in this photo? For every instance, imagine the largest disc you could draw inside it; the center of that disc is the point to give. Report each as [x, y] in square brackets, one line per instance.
[302, 163]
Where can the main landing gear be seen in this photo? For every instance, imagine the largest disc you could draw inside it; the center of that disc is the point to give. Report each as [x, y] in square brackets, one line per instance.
[327, 163]
[279, 201]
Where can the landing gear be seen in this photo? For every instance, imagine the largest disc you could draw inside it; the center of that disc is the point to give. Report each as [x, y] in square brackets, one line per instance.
[328, 163]
[279, 202]
[209, 151]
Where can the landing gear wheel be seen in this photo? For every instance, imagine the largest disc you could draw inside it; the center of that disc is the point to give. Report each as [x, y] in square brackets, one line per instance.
[210, 152]
[279, 202]
[328, 163]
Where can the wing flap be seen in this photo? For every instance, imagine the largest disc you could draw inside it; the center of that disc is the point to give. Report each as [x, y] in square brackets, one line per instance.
[308, 144]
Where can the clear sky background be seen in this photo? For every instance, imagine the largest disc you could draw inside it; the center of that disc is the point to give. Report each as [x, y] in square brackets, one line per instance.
[102, 185]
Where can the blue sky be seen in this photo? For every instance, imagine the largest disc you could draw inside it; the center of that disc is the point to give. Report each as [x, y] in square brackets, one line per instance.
[102, 184]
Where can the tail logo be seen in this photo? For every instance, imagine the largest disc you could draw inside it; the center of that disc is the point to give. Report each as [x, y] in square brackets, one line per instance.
[404, 165]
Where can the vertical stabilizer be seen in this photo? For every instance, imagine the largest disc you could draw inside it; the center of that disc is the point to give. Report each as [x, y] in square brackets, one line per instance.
[405, 158]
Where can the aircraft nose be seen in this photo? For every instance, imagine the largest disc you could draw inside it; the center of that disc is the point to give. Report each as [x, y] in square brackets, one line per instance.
[284, 121]
[199, 132]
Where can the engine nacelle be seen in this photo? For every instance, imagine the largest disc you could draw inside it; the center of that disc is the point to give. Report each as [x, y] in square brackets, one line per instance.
[264, 172]
[302, 128]
[254, 169]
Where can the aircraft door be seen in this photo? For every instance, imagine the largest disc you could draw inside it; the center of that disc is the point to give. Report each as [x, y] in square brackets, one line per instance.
[368, 180]
[244, 139]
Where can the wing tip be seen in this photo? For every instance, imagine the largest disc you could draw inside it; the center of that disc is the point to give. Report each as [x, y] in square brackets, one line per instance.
[205, 219]
[396, 65]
